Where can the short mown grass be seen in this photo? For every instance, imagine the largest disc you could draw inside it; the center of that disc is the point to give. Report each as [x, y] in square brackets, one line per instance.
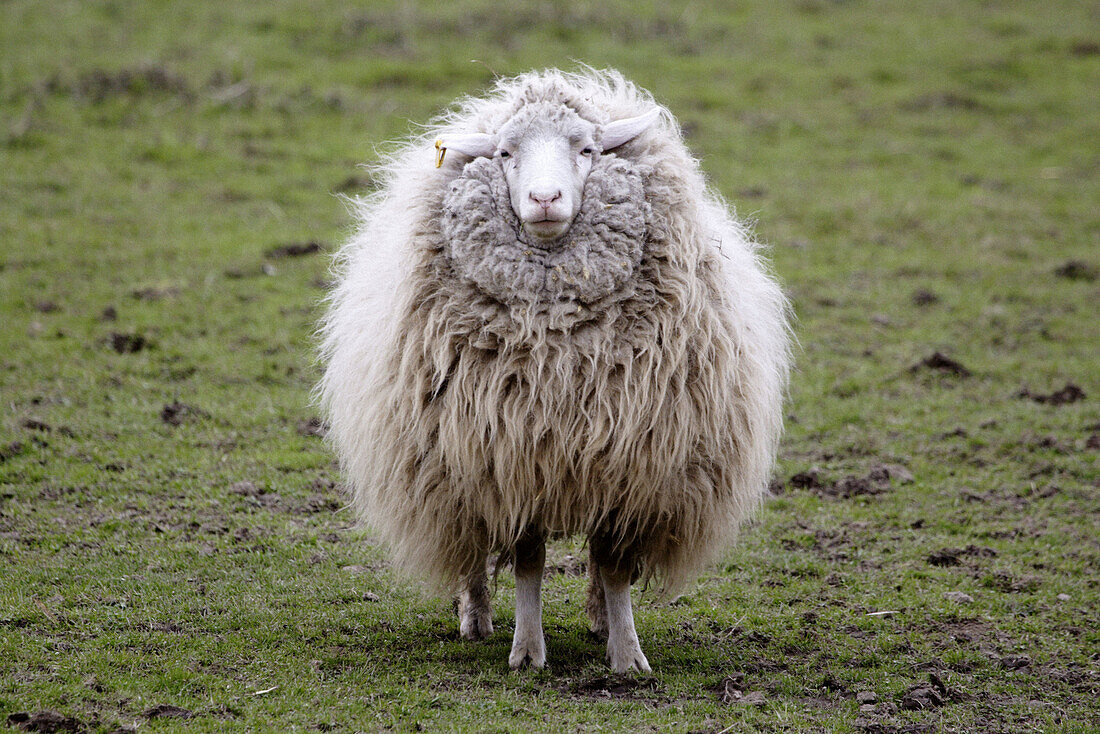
[174, 552]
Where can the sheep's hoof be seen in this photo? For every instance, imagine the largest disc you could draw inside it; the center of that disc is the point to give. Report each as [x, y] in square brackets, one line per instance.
[475, 616]
[597, 615]
[476, 627]
[627, 657]
[528, 652]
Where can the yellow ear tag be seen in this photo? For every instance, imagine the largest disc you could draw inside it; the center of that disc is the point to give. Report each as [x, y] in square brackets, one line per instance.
[440, 151]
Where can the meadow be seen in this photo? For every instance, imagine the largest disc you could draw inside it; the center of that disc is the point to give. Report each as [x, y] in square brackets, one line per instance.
[175, 554]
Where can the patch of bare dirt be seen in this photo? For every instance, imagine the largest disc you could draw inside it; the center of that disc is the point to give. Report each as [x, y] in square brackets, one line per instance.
[927, 695]
[1076, 270]
[1071, 393]
[175, 413]
[878, 479]
[613, 687]
[953, 556]
[167, 711]
[154, 294]
[46, 722]
[941, 363]
[127, 342]
[1006, 583]
[923, 297]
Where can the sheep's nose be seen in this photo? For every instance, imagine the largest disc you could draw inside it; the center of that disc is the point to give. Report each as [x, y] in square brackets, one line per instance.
[545, 198]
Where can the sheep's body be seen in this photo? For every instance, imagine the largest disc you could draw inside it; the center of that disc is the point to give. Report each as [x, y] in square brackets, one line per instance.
[641, 404]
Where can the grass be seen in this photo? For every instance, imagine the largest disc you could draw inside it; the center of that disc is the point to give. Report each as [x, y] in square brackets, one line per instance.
[170, 530]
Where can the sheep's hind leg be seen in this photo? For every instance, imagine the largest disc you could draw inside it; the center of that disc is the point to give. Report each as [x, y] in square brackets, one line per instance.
[528, 645]
[475, 615]
[595, 607]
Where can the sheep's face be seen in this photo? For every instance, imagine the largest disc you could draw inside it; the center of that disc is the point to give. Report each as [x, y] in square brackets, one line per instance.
[546, 151]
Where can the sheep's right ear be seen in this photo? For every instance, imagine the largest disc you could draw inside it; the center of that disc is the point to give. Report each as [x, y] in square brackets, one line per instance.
[475, 145]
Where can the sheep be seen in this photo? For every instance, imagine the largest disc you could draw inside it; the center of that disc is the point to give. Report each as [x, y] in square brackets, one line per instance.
[547, 325]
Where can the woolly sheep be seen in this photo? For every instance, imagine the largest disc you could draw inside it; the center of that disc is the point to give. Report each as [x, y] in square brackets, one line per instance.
[546, 325]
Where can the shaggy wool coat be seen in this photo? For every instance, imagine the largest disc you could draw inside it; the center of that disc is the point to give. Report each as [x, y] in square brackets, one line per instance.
[628, 379]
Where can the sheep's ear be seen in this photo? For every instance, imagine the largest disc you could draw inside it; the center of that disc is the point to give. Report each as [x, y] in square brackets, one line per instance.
[623, 131]
[475, 145]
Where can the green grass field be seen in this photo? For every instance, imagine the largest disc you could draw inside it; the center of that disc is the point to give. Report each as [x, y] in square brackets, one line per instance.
[174, 552]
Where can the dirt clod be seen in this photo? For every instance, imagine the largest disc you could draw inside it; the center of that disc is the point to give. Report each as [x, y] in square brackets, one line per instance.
[944, 557]
[951, 556]
[175, 413]
[924, 297]
[807, 480]
[245, 488]
[1071, 393]
[1076, 270]
[940, 362]
[731, 688]
[46, 722]
[959, 597]
[921, 697]
[1015, 662]
[127, 343]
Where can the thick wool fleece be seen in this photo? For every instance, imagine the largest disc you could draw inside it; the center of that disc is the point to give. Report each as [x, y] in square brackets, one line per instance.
[472, 395]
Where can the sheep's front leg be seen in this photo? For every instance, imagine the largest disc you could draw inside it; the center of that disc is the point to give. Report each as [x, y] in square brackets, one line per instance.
[528, 645]
[623, 649]
[616, 567]
[475, 615]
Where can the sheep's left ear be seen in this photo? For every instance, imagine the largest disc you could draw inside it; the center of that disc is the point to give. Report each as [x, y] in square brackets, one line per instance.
[475, 145]
[623, 131]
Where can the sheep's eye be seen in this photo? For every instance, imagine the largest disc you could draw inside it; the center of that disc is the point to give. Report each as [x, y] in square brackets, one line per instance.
[505, 154]
[586, 151]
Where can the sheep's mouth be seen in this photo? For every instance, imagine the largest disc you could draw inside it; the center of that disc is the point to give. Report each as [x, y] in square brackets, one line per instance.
[547, 229]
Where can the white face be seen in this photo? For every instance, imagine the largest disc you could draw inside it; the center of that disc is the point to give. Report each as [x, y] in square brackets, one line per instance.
[546, 169]
[547, 152]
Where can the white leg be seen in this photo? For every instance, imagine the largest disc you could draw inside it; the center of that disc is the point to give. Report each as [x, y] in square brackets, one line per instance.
[528, 645]
[623, 650]
[475, 615]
